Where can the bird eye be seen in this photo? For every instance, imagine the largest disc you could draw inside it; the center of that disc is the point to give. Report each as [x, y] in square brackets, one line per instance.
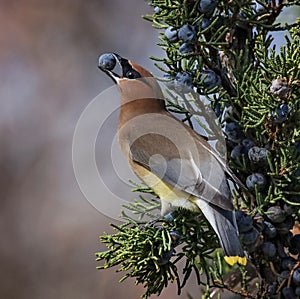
[132, 74]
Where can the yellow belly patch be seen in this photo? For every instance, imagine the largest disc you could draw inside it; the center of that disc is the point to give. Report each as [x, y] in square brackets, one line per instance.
[169, 195]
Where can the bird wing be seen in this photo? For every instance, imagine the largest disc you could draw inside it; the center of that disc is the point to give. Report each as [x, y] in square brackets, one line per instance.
[181, 161]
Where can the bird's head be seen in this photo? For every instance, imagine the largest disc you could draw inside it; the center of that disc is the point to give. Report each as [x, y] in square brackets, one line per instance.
[134, 82]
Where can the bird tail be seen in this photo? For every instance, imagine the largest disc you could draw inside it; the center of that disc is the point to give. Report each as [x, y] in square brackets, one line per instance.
[224, 224]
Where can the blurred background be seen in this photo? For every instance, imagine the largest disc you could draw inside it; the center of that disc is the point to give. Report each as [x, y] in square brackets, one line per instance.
[48, 62]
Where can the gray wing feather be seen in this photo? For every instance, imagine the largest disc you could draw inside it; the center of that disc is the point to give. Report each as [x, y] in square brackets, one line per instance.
[206, 181]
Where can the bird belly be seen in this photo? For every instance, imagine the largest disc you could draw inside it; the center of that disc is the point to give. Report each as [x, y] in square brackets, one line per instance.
[171, 197]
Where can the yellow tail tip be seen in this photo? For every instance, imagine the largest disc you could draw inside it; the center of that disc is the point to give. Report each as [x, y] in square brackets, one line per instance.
[232, 260]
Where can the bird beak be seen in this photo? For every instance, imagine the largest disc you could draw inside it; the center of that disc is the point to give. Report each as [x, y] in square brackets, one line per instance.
[124, 66]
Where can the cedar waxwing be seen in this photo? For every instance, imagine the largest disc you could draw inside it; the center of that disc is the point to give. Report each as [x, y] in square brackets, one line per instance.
[172, 159]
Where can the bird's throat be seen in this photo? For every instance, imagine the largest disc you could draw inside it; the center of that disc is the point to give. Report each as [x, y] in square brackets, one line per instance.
[134, 108]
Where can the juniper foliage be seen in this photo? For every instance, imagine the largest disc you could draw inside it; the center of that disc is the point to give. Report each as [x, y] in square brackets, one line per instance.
[253, 87]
